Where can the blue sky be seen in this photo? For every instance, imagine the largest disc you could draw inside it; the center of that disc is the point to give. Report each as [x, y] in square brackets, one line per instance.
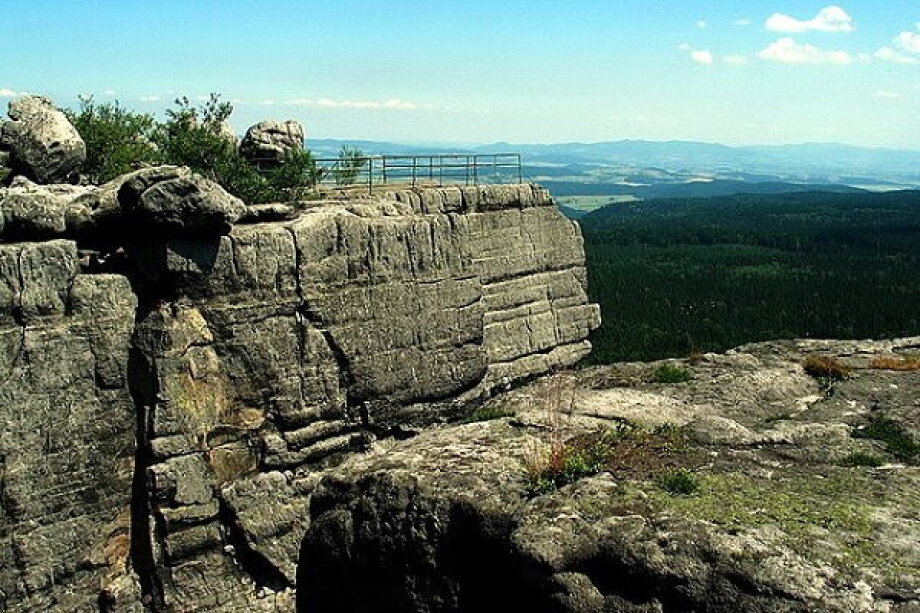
[761, 71]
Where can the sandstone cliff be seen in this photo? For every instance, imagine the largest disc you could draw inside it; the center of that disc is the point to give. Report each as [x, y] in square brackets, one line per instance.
[174, 384]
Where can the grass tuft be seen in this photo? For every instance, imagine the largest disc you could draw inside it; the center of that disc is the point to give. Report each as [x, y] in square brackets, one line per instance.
[861, 458]
[488, 413]
[679, 482]
[906, 363]
[822, 367]
[668, 373]
[898, 441]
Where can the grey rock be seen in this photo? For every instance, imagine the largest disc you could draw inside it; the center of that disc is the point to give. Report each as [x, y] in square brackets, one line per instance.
[67, 442]
[267, 142]
[175, 201]
[259, 213]
[442, 522]
[32, 211]
[42, 142]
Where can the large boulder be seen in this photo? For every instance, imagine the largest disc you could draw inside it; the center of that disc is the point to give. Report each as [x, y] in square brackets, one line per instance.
[42, 143]
[176, 201]
[268, 142]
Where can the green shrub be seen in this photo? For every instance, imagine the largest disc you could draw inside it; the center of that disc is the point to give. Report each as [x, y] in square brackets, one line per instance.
[680, 482]
[488, 413]
[861, 458]
[117, 140]
[349, 165]
[898, 441]
[668, 373]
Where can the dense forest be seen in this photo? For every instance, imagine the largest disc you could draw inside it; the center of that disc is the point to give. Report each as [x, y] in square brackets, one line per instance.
[677, 276]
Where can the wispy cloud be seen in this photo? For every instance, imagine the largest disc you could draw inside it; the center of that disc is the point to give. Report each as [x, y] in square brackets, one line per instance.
[149, 98]
[887, 95]
[701, 56]
[787, 51]
[743, 22]
[829, 19]
[393, 104]
[702, 24]
[6, 92]
[109, 92]
[904, 49]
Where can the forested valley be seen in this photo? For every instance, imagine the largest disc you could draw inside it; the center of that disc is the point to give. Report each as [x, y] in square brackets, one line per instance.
[679, 276]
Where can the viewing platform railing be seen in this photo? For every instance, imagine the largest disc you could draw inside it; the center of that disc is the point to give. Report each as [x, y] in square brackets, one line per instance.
[440, 169]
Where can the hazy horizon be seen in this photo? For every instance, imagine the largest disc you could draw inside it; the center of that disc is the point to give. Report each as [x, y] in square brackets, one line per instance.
[784, 72]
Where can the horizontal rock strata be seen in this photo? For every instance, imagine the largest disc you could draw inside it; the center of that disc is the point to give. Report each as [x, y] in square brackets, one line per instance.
[239, 362]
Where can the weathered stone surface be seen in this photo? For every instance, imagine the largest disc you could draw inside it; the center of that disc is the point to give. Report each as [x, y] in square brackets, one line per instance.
[42, 143]
[32, 211]
[267, 355]
[175, 201]
[781, 521]
[267, 142]
[67, 442]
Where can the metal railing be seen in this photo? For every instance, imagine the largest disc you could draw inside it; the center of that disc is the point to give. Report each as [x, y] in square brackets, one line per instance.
[438, 169]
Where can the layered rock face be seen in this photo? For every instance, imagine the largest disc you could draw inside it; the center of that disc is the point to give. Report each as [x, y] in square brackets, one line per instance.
[258, 355]
[67, 445]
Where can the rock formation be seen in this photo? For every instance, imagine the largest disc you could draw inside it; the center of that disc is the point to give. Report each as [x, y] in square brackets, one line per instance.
[786, 516]
[267, 142]
[218, 369]
[40, 142]
[214, 407]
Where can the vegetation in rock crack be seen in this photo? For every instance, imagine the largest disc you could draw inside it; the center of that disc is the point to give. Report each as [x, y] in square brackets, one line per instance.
[669, 373]
[898, 441]
[488, 413]
[626, 449]
[826, 368]
[679, 482]
[905, 363]
[862, 458]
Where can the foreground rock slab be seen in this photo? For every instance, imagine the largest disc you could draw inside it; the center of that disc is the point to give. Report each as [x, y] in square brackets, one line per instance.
[781, 518]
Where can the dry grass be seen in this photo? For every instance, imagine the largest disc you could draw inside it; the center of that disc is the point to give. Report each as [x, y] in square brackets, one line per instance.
[822, 367]
[907, 363]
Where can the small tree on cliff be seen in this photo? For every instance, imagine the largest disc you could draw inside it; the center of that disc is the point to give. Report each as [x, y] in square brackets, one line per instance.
[117, 140]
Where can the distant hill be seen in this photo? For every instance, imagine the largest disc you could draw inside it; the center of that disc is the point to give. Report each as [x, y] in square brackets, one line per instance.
[692, 189]
[629, 167]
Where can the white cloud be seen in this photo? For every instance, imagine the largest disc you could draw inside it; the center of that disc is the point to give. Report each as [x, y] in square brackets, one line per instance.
[149, 98]
[742, 23]
[909, 42]
[886, 95]
[109, 92]
[787, 51]
[684, 47]
[702, 24]
[890, 55]
[829, 19]
[9, 93]
[735, 60]
[701, 56]
[904, 49]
